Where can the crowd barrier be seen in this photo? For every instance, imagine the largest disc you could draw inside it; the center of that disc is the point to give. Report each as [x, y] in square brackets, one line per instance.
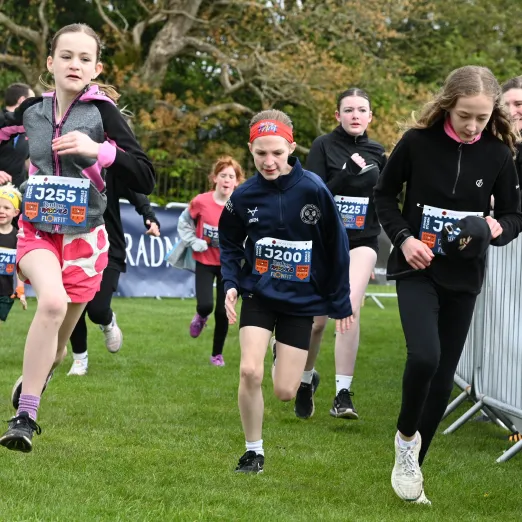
[490, 369]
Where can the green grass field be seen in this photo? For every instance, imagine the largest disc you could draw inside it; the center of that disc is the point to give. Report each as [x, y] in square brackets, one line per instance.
[153, 434]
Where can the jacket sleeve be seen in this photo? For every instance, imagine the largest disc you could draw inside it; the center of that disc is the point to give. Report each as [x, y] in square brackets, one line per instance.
[386, 193]
[12, 123]
[121, 153]
[186, 228]
[142, 205]
[338, 254]
[232, 234]
[316, 160]
[507, 203]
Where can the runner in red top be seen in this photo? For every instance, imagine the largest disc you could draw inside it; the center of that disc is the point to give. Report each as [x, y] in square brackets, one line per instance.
[205, 210]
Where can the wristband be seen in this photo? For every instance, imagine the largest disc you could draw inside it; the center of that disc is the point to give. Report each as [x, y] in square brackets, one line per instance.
[401, 237]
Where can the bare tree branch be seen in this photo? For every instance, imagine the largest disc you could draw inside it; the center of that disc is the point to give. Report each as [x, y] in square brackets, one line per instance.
[19, 63]
[222, 107]
[183, 13]
[18, 30]
[124, 20]
[107, 20]
[142, 4]
[206, 47]
[43, 22]
[301, 149]
[139, 28]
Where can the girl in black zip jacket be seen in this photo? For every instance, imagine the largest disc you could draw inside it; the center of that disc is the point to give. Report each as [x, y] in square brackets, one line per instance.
[457, 155]
[349, 163]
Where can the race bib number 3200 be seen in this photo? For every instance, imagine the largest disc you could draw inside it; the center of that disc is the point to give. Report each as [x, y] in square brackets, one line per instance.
[433, 221]
[353, 211]
[57, 200]
[288, 260]
[7, 261]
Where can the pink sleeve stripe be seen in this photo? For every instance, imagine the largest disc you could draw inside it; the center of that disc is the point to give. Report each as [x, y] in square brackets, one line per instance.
[32, 169]
[106, 154]
[94, 174]
[7, 132]
[112, 142]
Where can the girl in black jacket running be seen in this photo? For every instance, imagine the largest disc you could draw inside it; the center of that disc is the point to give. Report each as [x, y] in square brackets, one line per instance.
[457, 155]
[349, 163]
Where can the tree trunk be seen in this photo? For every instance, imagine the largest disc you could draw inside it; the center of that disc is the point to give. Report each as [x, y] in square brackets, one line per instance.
[169, 41]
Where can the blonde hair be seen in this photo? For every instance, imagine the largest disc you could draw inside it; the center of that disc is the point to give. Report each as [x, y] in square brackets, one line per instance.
[11, 193]
[223, 163]
[470, 80]
[109, 90]
[272, 114]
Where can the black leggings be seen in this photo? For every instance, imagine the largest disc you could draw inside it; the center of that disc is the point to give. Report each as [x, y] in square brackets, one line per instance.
[435, 323]
[99, 310]
[205, 275]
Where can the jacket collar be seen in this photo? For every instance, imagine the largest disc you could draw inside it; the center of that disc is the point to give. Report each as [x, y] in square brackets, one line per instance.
[287, 180]
[356, 140]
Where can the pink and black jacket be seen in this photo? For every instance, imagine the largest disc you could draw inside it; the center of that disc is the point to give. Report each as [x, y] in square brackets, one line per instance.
[92, 113]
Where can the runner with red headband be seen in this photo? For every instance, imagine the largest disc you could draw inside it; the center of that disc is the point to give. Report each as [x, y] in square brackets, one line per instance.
[283, 247]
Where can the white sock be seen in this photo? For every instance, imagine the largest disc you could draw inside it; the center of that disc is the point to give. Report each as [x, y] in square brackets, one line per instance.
[407, 444]
[79, 356]
[342, 382]
[256, 446]
[307, 376]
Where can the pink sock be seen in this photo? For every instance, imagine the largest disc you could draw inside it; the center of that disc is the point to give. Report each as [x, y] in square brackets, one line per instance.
[29, 403]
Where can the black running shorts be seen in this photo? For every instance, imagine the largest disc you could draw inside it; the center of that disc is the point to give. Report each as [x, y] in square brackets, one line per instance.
[293, 330]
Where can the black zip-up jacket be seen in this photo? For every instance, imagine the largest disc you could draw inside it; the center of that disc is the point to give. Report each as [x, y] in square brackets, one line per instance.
[440, 172]
[116, 189]
[329, 158]
[518, 163]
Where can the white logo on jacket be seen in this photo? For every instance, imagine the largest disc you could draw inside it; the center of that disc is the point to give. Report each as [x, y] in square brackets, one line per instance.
[310, 214]
[479, 183]
[252, 212]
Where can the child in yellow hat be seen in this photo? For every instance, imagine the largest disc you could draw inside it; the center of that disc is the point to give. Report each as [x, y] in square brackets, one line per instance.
[10, 200]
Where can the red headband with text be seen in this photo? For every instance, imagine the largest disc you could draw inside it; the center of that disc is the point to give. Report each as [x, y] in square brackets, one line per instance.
[271, 128]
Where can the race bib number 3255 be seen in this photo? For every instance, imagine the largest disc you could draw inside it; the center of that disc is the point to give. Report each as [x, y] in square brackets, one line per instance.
[57, 200]
[288, 260]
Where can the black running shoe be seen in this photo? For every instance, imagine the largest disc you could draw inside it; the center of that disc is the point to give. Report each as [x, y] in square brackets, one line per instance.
[343, 406]
[250, 462]
[304, 400]
[19, 435]
[17, 390]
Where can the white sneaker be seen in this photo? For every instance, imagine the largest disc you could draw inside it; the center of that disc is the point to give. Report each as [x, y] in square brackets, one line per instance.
[113, 335]
[406, 478]
[79, 367]
[423, 499]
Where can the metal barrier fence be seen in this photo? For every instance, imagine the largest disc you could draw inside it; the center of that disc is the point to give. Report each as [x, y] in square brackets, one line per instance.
[490, 369]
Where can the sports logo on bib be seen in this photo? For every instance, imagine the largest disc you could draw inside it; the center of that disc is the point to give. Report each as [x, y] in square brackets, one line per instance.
[7, 261]
[288, 260]
[57, 200]
[353, 211]
[433, 221]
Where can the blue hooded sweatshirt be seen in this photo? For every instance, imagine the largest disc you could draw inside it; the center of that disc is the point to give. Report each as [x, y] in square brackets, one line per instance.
[296, 256]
